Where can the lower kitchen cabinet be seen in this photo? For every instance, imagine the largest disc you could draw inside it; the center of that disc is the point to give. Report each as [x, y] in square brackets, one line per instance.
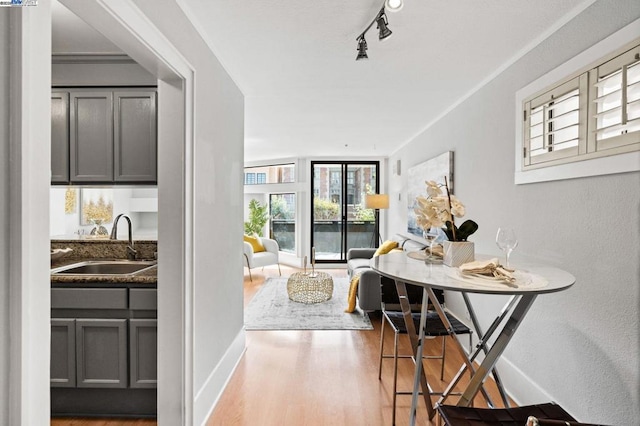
[89, 353]
[107, 338]
[143, 353]
[101, 353]
[63, 353]
[104, 343]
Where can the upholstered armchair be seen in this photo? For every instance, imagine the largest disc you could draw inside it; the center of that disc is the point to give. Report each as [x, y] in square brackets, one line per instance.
[255, 259]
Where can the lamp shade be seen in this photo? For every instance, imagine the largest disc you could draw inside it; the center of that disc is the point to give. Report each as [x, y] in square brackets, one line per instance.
[376, 201]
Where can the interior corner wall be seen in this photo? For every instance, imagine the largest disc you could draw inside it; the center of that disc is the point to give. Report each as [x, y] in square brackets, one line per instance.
[4, 217]
[218, 152]
[579, 347]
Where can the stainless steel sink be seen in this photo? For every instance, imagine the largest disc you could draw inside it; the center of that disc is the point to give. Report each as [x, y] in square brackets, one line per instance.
[105, 267]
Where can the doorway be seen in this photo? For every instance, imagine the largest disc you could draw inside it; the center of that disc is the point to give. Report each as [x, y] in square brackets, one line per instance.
[339, 218]
[175, 146]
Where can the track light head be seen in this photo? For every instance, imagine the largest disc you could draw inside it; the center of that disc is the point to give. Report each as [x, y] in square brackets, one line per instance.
[362, 49]
[393, 5]
[383, 23]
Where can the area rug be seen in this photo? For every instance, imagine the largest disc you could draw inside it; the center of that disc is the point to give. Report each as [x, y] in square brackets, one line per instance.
[271, 309]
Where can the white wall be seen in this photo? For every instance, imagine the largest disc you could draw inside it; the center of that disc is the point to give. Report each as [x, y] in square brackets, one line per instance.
[4, 217]
[24, 201]
[218, 191]
[579, 347]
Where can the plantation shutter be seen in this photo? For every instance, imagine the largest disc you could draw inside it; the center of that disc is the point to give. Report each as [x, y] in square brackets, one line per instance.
[555, 123]
[615, 103]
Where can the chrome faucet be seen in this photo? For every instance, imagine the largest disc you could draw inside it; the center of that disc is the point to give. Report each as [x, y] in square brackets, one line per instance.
[131, 252]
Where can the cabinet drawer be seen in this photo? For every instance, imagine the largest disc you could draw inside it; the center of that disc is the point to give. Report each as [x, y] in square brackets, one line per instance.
[143, 299]
[89, 298]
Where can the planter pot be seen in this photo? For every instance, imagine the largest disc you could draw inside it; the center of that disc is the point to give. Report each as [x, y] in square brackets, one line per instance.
[457, 252]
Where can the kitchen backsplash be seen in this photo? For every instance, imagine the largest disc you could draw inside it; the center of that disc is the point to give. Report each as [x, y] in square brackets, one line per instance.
[75, 210]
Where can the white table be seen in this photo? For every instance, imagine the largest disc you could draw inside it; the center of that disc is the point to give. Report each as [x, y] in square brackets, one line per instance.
[404, 270]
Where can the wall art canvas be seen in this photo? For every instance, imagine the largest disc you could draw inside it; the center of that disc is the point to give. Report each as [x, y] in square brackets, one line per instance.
[434, 169]
[96, 204]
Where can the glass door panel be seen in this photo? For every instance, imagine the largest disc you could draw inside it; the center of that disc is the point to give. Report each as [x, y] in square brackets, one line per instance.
[327, 211]
[361, 228]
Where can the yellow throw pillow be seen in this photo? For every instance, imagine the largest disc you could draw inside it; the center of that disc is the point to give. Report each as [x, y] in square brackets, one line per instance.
[385, 248]
[255, 243]
[353, 291]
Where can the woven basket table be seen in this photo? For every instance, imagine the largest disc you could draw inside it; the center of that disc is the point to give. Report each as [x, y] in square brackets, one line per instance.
[305, 288]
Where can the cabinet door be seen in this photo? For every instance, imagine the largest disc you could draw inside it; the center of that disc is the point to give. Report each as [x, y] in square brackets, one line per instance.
[101, 353]
[59, 137]
[135, 141]
[63, 353]
[91, 136]
[143, 349]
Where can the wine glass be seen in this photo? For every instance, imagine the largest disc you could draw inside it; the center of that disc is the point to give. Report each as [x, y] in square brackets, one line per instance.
[432, 236]
[506, 241]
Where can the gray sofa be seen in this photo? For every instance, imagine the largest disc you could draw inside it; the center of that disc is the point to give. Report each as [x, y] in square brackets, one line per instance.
[372, 285]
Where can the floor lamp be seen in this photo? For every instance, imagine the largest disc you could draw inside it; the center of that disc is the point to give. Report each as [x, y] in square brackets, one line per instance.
[376, 202]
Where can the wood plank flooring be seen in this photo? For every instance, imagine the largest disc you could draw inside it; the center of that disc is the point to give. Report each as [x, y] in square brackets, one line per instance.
[315, 377]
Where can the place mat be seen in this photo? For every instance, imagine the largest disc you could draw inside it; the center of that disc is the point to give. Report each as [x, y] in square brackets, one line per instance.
[422, 255]
[417, 255]
[525, 280]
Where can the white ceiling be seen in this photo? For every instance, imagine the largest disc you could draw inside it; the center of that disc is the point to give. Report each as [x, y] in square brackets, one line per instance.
[305, 95]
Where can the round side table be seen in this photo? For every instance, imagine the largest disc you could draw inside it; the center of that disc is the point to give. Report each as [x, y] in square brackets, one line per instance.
[309, 289]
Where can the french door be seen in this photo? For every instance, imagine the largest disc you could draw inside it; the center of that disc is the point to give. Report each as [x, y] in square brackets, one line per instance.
[339, 219]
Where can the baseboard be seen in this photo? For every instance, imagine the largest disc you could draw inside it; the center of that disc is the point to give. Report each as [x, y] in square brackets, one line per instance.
[208, 396]
[520, 387]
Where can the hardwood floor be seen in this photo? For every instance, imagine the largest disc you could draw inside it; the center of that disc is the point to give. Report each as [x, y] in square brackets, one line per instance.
[315, 377]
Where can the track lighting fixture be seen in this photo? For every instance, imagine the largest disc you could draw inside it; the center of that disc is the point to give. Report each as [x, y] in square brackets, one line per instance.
[382, 24]
[362, 49]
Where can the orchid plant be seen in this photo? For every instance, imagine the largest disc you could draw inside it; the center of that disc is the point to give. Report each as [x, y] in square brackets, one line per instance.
[439, 210]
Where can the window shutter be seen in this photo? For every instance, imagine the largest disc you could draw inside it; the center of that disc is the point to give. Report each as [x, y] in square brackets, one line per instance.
[615, 103]
[553, 123]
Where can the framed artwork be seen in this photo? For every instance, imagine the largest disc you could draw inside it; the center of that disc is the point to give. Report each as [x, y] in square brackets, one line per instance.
[434, 169]
[96, 204]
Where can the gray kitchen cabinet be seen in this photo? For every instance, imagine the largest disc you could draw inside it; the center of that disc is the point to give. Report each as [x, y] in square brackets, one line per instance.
[101, 353]
[59, 137]
[107, 136]
[143, 353]
[91, 136]
[135, 141]
[63, 353]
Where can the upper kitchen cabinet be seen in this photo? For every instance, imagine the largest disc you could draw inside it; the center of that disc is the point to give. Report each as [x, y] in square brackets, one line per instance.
[112, 136]
[59, 137]
[91, 140]
[135, 141]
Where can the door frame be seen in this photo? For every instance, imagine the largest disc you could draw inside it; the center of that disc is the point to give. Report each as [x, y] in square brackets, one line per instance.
[345, 166]
[30, 305]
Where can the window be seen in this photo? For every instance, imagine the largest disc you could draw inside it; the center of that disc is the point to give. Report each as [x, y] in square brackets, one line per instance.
[592, 114]
[277, 173]
[282, 209]
[249, 178]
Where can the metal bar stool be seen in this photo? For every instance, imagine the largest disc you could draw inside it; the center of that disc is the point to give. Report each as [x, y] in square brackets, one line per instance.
[434, 328]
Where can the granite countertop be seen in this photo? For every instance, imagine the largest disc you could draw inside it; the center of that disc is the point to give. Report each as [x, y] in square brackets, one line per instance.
[147, 277]
[81, 250]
